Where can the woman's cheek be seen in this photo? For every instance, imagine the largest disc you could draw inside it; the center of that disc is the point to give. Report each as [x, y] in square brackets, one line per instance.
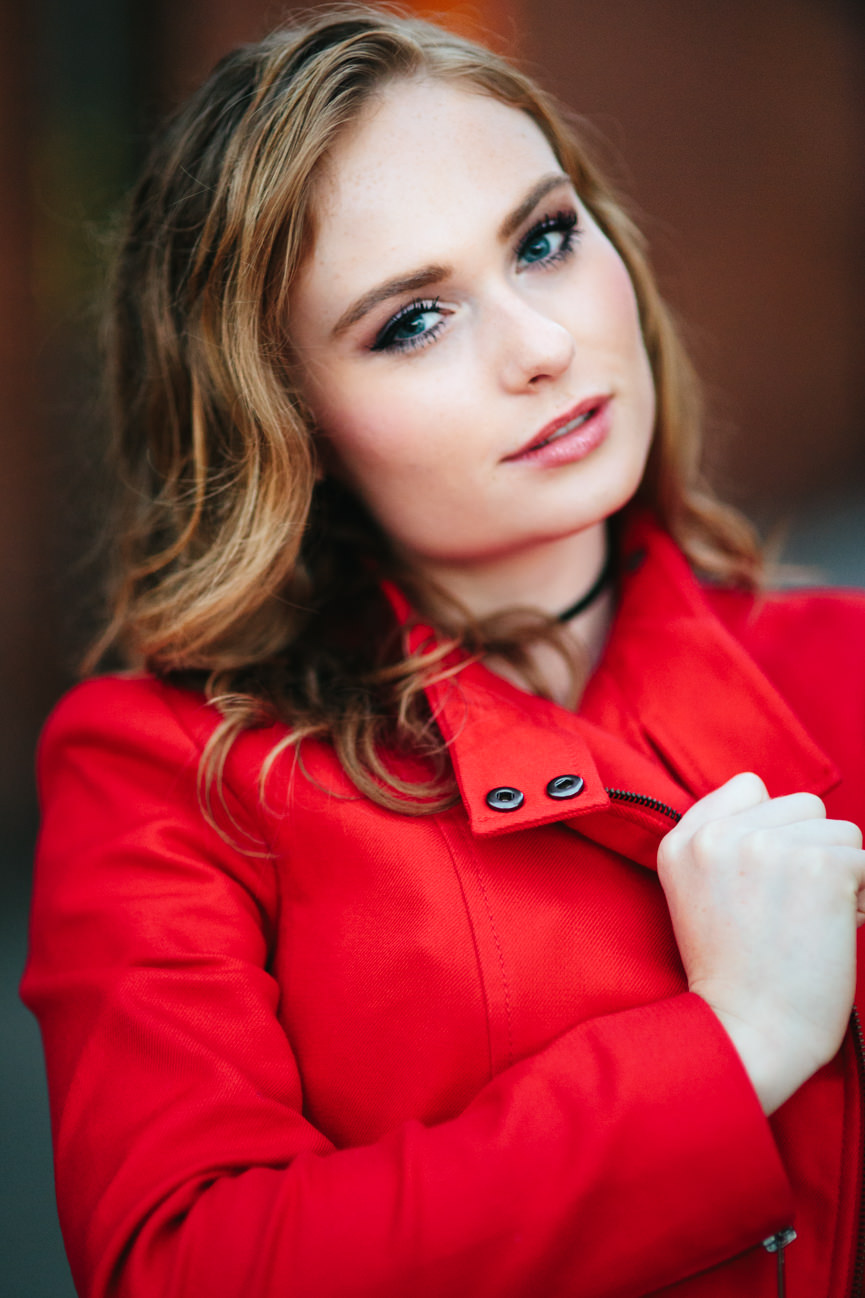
[610, 290]
[365, 438]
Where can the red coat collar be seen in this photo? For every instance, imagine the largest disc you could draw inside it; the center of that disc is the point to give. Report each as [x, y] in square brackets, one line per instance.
[675, 708]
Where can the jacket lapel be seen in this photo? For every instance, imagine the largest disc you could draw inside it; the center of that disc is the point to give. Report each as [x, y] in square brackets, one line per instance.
[675, 708]
[701, 702]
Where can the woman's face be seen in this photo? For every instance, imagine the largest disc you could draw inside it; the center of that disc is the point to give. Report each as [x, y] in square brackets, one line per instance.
[468, 338]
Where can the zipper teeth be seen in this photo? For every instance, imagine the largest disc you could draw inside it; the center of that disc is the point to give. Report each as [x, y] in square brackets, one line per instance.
[859, 1263]
[643, 800]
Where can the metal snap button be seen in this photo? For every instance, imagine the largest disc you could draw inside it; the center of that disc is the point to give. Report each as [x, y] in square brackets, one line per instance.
[505, 798]
[565, 786]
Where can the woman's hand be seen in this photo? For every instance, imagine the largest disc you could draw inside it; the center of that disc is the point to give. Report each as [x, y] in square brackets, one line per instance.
[765, 895]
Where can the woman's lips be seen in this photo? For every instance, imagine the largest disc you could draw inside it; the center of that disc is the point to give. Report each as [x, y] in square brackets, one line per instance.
[570, 437]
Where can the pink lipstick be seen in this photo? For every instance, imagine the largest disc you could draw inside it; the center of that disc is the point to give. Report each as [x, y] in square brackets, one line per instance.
[569, 437]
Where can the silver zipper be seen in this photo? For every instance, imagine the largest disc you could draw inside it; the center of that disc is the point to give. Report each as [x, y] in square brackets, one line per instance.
[777, 1244]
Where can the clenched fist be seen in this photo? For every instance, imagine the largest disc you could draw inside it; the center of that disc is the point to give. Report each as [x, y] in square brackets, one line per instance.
[765, 895]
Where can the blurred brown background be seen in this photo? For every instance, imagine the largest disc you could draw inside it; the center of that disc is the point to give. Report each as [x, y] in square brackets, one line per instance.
[739, 129]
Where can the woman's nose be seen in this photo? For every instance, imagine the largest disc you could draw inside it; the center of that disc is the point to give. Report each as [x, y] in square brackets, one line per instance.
[532, 346]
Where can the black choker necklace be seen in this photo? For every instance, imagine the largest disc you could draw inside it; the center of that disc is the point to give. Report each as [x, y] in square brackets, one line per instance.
[603, 580]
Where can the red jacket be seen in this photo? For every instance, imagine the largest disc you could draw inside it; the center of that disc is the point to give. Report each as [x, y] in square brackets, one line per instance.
[352, 1052]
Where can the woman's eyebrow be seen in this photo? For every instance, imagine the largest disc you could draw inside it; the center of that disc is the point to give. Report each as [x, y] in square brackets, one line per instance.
[433, 274]
[544, 186]
[391, 288]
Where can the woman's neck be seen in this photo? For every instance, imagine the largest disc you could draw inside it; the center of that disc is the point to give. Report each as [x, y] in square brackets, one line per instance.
[548, 578]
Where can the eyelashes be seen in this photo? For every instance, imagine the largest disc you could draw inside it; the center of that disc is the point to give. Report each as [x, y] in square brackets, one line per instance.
[564, 224]
[549, 243]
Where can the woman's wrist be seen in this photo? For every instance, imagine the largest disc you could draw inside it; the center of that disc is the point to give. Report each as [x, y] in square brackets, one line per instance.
[775, 1072]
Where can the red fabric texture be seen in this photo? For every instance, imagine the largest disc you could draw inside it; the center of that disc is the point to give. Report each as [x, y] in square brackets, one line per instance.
[342, 1051]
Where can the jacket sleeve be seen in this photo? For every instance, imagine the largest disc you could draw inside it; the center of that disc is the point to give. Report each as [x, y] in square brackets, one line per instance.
[629, 1153]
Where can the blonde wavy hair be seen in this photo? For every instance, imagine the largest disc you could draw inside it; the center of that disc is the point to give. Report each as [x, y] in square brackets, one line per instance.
[234, 568]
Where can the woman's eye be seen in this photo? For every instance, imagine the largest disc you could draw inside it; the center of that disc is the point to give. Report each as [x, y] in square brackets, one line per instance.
[413, 326]
[551, 241]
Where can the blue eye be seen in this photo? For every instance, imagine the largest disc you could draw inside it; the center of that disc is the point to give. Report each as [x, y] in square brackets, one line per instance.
[410, 327]
[551, 241]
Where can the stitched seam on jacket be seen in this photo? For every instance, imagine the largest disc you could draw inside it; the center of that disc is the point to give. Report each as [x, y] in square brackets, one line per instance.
[505, 986]
[506, 990]
[445, 831]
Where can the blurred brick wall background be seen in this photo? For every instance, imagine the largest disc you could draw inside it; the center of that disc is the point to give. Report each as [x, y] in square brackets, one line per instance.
[739, 129]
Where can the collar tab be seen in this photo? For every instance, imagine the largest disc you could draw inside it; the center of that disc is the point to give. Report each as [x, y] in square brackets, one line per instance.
[519, 761]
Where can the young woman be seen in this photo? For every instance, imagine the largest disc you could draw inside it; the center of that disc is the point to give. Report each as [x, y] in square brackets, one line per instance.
[455, 895]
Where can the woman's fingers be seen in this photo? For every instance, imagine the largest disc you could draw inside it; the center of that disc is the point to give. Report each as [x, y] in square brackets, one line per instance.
[745, 797]
[742, 808]
[813, 833]
[743, 792]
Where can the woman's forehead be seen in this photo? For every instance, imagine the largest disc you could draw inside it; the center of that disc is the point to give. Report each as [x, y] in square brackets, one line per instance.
[425, 160]
[424, 137]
